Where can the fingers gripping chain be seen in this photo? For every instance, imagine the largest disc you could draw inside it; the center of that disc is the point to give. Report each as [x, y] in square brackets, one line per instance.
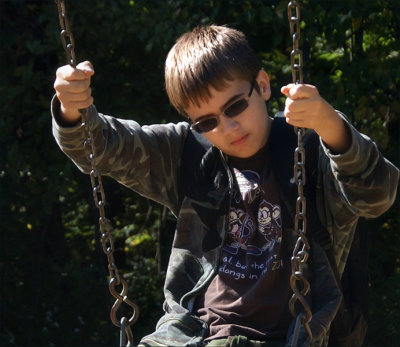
[124, 324]
[300, 252]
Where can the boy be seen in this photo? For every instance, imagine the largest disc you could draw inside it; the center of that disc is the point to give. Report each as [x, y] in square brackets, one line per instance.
[228, 276]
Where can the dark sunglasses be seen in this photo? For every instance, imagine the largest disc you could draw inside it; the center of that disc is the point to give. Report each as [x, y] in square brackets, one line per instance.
[237, 107]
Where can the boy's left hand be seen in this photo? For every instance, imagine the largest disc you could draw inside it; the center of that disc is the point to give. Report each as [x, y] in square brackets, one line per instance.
[305, 108]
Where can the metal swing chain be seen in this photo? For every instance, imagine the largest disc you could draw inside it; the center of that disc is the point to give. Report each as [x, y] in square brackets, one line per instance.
[300, 252]
[100, 201]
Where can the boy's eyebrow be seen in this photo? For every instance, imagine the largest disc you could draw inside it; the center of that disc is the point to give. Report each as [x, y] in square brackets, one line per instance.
[223, 107]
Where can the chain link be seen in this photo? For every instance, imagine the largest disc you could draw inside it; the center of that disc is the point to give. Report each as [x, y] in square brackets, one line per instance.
[100, 201]
[296, 55]
[66, 34]
[298, 282]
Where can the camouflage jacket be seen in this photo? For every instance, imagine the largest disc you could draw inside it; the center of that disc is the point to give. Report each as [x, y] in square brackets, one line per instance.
[148, 160]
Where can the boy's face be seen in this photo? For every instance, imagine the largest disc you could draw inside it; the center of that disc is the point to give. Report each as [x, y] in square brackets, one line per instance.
[244, 134]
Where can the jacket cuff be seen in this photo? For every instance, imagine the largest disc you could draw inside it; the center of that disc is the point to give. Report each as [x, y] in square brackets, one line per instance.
[355, 159]
[55, 107]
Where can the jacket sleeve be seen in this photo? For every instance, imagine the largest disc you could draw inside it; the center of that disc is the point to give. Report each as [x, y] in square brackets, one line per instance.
[145, 159]
[357, 183]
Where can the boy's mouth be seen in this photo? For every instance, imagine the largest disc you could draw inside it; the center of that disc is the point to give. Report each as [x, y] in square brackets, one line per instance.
[240, 140]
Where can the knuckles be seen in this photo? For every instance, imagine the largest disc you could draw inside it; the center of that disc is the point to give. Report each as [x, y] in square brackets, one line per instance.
[72, 85]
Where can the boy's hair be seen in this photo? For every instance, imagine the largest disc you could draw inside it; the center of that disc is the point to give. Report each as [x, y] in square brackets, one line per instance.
[207, 56]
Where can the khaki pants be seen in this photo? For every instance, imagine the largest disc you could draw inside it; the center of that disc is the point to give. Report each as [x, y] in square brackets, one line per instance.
[242, 341]
[231, 341]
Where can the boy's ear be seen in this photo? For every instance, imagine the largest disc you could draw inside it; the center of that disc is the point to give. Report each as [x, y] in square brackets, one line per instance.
[263, 83]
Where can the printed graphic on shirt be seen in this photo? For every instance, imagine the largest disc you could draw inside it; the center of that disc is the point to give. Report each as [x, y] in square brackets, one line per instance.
[251, 251]
[241, 228]
[269, 223]
[236, 269]
[248, 182]
[252, 244]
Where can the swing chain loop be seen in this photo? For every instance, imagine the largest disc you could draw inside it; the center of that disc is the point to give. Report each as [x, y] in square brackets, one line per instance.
[124, 333]
[100, 200]
[66, 34]
[296, 54]
[300, 251]
[121, 297]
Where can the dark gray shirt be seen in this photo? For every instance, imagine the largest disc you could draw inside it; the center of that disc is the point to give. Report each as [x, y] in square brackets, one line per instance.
[249, 295]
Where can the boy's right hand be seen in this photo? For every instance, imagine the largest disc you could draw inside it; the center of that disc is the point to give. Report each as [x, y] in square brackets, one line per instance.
[72, 87]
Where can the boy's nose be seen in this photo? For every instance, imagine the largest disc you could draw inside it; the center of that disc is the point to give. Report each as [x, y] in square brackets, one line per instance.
[228, 124]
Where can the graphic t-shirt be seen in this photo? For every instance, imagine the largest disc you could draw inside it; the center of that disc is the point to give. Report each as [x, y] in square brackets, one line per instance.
[249, 295]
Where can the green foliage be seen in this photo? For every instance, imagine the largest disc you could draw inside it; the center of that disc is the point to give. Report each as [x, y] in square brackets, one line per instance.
[52, 270]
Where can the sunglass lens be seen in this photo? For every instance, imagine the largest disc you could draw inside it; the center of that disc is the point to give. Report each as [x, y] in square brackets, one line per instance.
[206, 125]
[236, 108]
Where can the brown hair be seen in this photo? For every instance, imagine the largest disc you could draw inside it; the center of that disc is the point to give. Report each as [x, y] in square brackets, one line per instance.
[207, 56]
